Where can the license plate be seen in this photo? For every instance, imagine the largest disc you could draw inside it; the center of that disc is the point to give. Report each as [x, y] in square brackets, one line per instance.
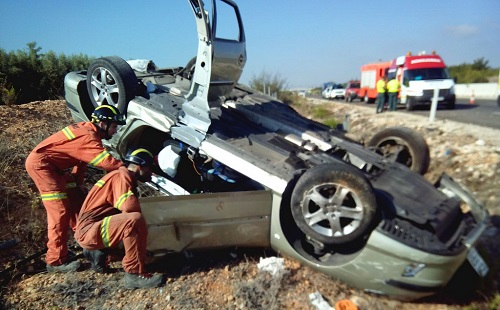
[477, 262]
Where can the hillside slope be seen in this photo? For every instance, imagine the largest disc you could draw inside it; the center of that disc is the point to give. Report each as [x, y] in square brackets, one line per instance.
[223, 279]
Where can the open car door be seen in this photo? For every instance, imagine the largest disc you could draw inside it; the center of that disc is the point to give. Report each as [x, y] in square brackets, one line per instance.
[218, 65]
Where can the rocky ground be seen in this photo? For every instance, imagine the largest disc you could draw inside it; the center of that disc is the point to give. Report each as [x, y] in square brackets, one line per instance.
[223, 279]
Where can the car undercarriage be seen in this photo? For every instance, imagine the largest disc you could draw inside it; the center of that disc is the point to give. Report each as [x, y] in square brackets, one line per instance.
[240, 168]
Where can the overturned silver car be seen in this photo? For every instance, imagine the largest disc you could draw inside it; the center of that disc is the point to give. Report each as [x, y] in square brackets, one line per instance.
[239, 168]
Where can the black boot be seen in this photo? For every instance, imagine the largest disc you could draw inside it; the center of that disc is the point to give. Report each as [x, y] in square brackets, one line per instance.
[132, 280]
[67, 267]
[97, 260]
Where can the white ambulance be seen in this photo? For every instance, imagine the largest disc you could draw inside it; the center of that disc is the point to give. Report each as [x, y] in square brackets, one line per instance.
[420, 75]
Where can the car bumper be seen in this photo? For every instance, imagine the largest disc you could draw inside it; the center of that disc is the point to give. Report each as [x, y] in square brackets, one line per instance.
[426, 99]
[388, 267]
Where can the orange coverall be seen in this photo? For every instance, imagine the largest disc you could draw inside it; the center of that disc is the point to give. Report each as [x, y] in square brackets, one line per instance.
[75, 146]
[112, 213]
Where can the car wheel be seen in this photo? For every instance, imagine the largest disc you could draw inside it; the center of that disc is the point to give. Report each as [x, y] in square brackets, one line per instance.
[111, 80]
[409, 104]
[366, 99]
[450, 105]
[402, 145]
[333, 204]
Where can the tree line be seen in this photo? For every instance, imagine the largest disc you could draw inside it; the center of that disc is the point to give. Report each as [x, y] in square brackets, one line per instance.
[29, 75]
[479, 71]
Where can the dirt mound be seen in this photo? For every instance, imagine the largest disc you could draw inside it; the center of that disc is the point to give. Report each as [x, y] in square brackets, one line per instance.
[223, 279]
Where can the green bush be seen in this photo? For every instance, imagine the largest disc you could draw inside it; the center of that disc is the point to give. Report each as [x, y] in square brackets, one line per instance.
[331, 122]
[28, 75]
[268, 83]
[320, 112]
[477, 72]
[8, 94]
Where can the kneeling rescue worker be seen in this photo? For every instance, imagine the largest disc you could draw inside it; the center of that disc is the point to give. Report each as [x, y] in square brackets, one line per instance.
[111, 213]
[49, 165]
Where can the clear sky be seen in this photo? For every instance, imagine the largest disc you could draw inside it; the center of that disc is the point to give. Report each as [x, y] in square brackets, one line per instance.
[304, 42]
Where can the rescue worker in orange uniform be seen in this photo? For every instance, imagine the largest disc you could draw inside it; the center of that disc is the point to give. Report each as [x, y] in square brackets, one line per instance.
[111, 213]
[60, 158]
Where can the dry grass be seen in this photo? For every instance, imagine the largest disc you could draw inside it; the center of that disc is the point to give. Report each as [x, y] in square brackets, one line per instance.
[321, 113]
[239, 285]
[23, 217]
[22, 220]
[261, 292]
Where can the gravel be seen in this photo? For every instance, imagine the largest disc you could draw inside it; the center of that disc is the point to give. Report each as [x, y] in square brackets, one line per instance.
[229, 278]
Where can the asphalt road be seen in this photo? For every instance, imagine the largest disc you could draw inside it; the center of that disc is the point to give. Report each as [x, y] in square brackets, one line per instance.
[485, 112]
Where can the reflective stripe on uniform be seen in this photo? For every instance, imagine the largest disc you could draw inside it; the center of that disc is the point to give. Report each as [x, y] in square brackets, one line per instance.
[142, 150]
[54, 196]
[105, 231]
[97, 160]
[100, 183]
[122, 199]
[68, 133]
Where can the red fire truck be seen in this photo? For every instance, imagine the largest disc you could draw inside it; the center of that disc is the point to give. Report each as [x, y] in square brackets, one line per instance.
[370, 74]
